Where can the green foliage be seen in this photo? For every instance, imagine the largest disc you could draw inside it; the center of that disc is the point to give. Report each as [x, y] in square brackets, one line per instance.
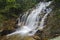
[12, 8]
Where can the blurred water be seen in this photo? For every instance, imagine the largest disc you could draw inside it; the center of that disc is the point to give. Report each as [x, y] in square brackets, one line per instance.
[31, 21]
[57, 38]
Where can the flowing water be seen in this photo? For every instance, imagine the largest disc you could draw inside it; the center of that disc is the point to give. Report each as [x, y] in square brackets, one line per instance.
[31, 21]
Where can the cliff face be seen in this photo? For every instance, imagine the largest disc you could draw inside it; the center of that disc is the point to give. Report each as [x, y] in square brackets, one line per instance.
[53, 22]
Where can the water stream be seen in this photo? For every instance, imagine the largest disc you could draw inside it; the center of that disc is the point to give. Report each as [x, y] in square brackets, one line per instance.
[32, 20]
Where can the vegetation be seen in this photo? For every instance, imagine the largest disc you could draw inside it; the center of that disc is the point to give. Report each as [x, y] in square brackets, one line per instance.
[11, 9]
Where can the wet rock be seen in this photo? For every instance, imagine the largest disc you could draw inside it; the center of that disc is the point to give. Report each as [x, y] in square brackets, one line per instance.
[5, 32]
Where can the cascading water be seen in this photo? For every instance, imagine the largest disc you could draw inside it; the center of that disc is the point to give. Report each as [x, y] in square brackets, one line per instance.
[31, 21]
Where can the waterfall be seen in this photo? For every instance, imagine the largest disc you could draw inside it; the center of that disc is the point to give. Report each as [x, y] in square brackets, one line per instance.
[31, 21]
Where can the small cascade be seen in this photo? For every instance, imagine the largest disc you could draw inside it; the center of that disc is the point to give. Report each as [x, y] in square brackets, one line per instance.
[31, 21]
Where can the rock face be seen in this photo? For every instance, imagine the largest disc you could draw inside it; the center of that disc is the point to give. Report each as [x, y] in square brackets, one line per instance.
[5, 32]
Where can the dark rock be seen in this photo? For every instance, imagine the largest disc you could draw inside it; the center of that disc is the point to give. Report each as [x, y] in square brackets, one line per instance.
[5, 32]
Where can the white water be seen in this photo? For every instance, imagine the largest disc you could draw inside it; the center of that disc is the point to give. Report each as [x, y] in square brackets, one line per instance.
[31, 21]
